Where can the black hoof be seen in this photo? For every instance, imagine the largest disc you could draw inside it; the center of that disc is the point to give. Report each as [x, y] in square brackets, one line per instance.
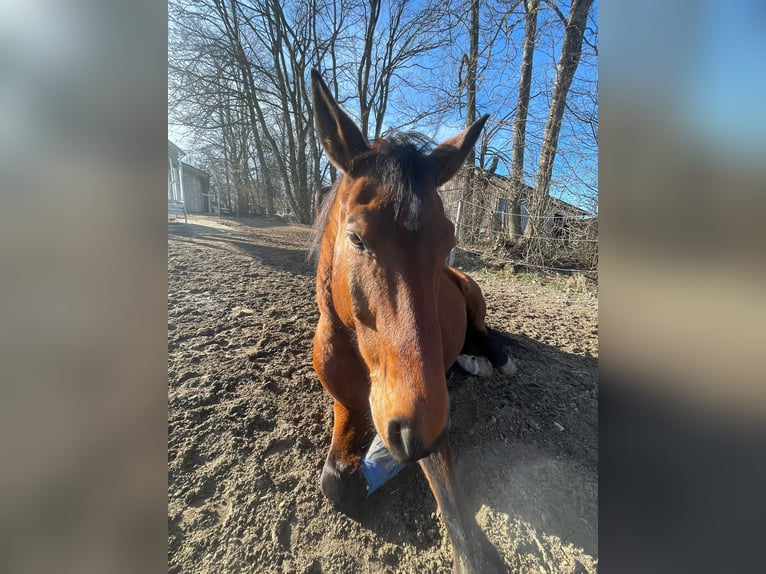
[494, 351]
[481, 558]
[345, 488]
[509, 368]
[495, 354]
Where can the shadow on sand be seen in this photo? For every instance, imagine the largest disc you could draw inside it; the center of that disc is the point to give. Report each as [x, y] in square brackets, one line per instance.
[282, 258]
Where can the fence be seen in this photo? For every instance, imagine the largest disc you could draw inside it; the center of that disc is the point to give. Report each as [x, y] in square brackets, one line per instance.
[567, 241]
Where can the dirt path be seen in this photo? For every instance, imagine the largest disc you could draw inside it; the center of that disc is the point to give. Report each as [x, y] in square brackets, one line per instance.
[249, 424]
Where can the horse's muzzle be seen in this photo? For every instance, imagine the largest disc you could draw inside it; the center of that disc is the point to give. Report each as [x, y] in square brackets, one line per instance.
[405, 443]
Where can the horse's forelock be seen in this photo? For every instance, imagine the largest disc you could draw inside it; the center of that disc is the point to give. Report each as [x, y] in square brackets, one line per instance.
[399, 161]
[404, 171]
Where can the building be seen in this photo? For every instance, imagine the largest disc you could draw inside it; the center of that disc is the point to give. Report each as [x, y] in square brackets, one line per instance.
[196, 189]
[188, 187]
[492, 200]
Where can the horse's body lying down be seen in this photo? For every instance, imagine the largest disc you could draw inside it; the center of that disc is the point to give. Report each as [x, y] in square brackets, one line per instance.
[393, 318]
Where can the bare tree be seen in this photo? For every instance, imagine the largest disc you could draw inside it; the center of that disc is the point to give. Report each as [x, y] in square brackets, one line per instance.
[397, 35]
[237, 81]
[208, 91]
[567, 66]
[267, 48]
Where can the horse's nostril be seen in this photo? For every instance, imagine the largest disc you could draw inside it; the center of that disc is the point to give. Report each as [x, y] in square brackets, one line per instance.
[395, 434]
[405, 443]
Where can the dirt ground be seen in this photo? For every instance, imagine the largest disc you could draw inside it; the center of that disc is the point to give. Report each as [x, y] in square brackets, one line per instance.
[249, 424]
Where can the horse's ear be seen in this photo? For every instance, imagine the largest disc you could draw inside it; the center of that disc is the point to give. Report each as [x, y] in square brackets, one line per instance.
[340, 137]
[447, 158]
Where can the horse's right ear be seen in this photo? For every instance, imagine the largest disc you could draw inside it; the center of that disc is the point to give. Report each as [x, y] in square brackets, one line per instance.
[340, 137]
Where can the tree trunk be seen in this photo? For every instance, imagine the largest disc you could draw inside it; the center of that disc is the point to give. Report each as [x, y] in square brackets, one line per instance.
[470, 209]
[225, 148]
[520, 121]
[363, 74]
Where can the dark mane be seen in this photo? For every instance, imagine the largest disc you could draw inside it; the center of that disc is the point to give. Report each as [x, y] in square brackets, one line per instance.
[320, 221]
[400, 163]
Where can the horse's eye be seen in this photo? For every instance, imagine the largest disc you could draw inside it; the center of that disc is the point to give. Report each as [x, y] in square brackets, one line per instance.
[356, 241]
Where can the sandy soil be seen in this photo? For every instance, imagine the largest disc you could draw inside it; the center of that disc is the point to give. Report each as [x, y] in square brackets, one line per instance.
[249, 424]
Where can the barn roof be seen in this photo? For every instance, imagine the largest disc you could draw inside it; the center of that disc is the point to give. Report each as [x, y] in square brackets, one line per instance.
[195, 170]
[557, 204]
[174, 150]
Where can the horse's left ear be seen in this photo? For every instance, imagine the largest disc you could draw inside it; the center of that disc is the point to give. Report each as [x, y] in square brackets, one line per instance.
[447, 158]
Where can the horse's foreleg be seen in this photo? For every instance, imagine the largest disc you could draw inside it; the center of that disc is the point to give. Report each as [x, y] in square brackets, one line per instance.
[482, 351]
[489, 347]
[343, 376]
[342, 479]
[472, 552]
[486, 344]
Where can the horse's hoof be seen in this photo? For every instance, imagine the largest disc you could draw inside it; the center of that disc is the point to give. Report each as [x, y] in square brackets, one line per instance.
[485, 367]
[469, 364]
[475, 365]
[509, 368]
[488, 561]
[345, 488]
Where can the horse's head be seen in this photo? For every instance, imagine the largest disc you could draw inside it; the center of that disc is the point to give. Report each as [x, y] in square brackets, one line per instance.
[386, 237]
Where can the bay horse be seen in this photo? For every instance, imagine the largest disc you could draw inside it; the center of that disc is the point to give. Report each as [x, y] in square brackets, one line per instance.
[393, 318]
